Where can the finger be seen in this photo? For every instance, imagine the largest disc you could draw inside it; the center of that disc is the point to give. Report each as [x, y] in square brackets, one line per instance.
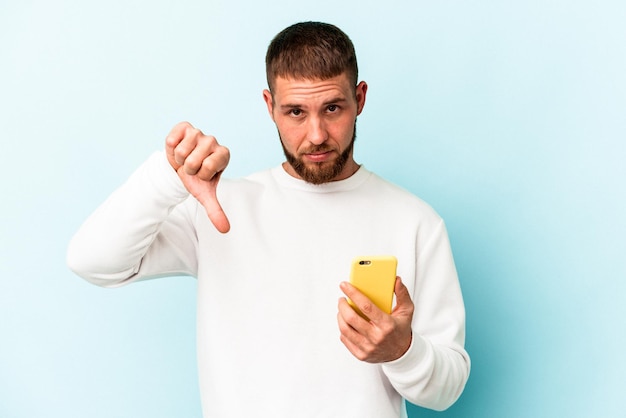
[344, 327]
[214, 210]
[348, 339]
[349, 336]
[402, 293]
[207, 157]
[403, 297]
[214, 164]
[365, 305]
[173, 139]
[352, 347]
[188, 145]
[350, 316]
[218, 217]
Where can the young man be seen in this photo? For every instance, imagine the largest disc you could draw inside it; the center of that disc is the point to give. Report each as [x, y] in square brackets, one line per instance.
[272, 250]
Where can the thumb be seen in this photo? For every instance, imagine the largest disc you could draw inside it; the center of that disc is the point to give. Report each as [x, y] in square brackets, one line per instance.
[216, 214]
[212, 206]
[403, 298]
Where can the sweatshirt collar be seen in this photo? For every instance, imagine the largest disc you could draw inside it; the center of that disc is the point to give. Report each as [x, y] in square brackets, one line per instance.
[286, 180]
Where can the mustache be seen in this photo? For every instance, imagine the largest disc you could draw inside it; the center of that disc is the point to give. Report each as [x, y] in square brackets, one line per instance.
[316, 149]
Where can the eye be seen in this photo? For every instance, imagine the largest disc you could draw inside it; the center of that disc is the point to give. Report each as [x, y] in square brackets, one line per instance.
[295, 112]
[332, 108]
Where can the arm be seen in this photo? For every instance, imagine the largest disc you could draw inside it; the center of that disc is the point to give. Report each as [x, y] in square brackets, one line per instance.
[145, 228]
[142, 230]
[420, 345]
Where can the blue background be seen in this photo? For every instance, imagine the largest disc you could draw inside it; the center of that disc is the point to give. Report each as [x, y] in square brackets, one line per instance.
[508, 117]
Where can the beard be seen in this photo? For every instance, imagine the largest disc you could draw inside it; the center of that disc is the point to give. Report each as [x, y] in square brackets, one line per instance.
[319, 173]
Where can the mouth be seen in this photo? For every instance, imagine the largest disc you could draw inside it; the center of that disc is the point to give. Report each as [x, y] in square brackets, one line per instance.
[318, 157]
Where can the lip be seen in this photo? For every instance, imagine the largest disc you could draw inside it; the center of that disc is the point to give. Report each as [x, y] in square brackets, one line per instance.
[318, 157]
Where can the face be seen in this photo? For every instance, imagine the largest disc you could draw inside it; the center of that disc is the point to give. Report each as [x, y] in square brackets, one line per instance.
[316, 121]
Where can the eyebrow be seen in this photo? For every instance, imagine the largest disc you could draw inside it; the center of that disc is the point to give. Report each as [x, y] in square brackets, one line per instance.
[338, 99]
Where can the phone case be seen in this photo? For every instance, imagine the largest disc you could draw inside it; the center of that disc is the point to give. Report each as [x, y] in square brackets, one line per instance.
[375, 277]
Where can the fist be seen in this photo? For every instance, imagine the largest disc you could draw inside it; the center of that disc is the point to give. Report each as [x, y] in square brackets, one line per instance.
[199, 161]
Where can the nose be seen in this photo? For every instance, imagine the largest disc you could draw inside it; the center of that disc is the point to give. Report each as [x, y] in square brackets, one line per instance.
[318, 134]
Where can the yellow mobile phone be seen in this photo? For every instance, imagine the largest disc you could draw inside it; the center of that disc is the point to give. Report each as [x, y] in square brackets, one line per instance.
[375, 277]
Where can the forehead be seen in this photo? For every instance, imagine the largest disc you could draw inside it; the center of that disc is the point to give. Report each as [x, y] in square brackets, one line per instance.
[287, 89]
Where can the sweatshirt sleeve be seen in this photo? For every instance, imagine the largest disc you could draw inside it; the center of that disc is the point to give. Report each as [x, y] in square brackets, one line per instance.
[434, 370]
[143, 230]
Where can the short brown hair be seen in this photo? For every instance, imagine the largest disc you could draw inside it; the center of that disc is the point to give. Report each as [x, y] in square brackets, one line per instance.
[310, 50]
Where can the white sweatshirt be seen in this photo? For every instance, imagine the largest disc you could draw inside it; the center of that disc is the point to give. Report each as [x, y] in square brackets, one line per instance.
[268, 339]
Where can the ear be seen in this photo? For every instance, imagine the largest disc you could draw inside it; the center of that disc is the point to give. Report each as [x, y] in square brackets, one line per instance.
[361, 92]
[269, 102]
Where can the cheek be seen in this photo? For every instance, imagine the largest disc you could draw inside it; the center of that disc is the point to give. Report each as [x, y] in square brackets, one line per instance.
[290, 135]
[343, 131]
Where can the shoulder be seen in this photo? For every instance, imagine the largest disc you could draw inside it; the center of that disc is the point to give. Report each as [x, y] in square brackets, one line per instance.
[400, 198]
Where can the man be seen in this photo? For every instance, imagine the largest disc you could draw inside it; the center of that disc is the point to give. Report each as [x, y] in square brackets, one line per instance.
[272, 250]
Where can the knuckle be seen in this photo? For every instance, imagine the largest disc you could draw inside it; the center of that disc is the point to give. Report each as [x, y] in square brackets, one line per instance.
[385, 328]
[408, 309]
[378, 338]
[382, 332]
[367, 308]
[207, 141]
[180, 153]
[208, 165]
[208, 169]
[346, 316]
[192, 162]
[183, 146]
[195, 133]
[351, 315]
[225, 155]
[171, 141]
[388, 330]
